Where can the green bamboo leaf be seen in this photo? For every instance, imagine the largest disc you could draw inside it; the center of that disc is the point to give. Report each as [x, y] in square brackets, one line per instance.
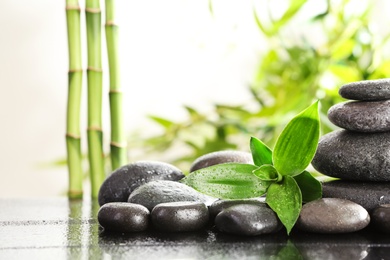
[227, 181]
[266, 172]
[261, 154]
[293, 9]
[260, 24]
[311, 188]
[285, 199]
[192, 145]
[191, 111]
[320, 16]
[162, 121]
[297, 144]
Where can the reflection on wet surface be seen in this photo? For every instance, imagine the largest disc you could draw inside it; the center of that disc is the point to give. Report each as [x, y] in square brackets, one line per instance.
[62, 229]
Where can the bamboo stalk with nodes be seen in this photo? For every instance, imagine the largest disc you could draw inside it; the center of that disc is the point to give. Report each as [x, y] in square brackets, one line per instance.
[75, 76]
[118, 142]
[94, 79]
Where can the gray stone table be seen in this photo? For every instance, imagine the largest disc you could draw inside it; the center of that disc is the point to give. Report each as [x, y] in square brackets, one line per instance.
[55, 228]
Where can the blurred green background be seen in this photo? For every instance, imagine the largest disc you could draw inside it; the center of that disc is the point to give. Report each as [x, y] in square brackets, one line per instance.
[313, 47]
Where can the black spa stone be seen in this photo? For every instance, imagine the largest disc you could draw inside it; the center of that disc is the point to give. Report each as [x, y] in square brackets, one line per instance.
[380, 218]
[367, 194]
[118, 186]
[366, 90]
[332, 215]
[123, 217]
[221, 157]
[354, 156]
[180, 216]
[247, 220]
[220, 205]
[362, 116]
[157, 192]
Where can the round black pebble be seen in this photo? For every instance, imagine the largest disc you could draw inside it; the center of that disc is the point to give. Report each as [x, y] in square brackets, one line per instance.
[220, 205]
[118, 186]
[123, 217]
[380, 218]
[156, 192]
[367, 194]
[221, 157]
[361, 116]
[180, 216]
[354, 156]
[247, 220]
[378, 89]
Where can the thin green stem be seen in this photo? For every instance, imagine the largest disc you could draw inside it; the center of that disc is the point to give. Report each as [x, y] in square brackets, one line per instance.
[75, 76]
[118, 141]
[94, 77]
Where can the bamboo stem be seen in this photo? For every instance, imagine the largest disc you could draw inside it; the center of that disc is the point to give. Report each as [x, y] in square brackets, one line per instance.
[75, 76]
[118, 142]
[94, 78]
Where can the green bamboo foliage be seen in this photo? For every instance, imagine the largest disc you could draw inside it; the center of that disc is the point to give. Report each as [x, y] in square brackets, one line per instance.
[75, 75]
[118, 142]
[94, 77]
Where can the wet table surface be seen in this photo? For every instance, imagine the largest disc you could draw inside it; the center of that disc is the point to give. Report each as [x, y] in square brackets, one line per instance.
[55, 228]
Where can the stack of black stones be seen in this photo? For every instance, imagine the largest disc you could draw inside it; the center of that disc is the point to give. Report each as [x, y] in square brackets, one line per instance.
[359, 153]
[148, 195]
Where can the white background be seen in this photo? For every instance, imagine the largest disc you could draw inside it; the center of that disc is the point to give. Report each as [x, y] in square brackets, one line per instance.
[173, 52]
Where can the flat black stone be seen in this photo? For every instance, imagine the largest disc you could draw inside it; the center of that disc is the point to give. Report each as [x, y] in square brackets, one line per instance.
[362, 116]
[354, 156]
[123, 217]
[380, 218]
[118, 185]
[247, 220]
[219, 205]
[180, 216]
[221, 157]
[366, 90]
[156, 192]
[367, 194]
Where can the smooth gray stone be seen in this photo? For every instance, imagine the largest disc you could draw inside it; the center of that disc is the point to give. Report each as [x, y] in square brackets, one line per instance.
[380, 218]
[157, 192]
[247, 220]
[362, 116]
[366, 90]
[367, 194]
[354, 156]
[119, 185]
[180, 216]
[123, 217]
[221, 157]
[220, 205]
[332, 215]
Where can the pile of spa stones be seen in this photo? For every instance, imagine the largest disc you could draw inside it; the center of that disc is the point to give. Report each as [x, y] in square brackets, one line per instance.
[358, 154]
[147, 195]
